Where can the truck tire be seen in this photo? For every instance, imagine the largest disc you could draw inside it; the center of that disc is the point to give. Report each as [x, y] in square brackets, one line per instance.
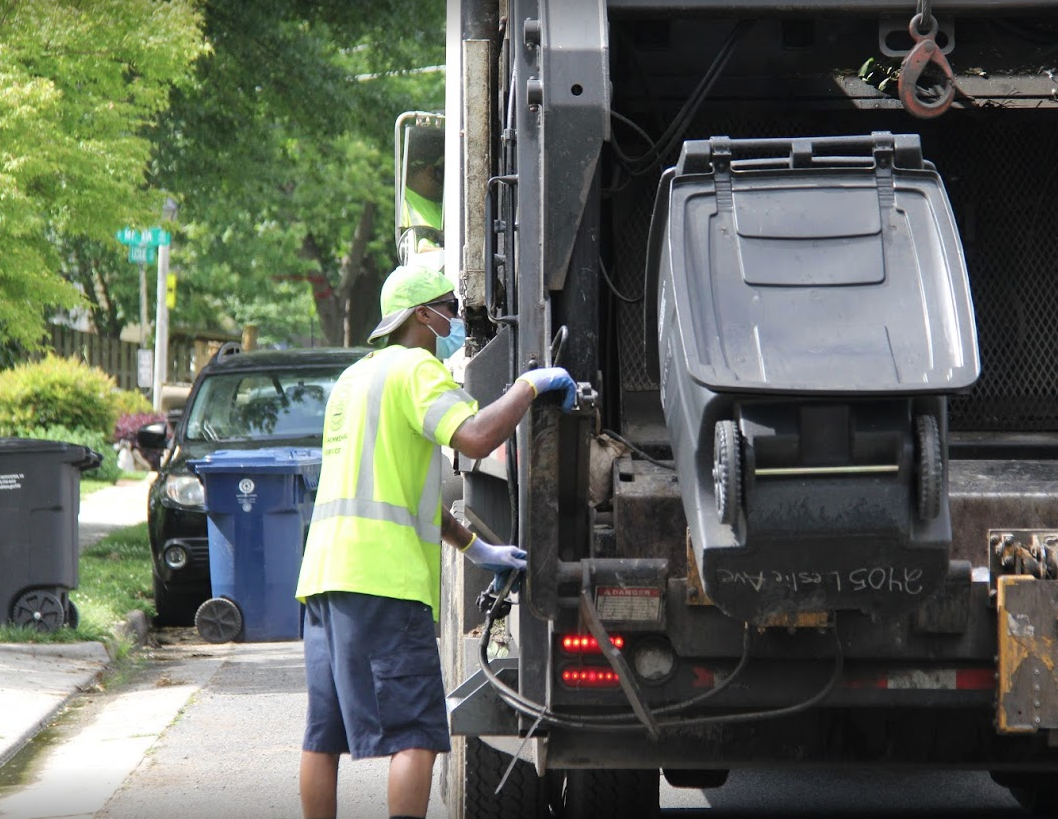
[1038, 799]
[483, 767]
[613, 794]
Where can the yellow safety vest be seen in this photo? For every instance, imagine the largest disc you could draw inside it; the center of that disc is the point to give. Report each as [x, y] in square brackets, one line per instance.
[376, 521]
[418, 210]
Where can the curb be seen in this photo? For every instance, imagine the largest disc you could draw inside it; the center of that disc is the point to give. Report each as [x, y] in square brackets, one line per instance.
[70, 651]
[135, 628]
[85, 652]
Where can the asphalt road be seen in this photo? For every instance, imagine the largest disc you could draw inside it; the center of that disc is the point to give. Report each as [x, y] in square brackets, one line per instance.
[214, 731]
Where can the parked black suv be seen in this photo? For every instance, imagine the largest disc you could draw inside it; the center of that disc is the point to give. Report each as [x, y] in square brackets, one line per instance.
[239, 401]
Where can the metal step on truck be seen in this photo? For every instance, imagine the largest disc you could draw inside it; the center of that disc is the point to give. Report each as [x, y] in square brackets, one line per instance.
[802, 260]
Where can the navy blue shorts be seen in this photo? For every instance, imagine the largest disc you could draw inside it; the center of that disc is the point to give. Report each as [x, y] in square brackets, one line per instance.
[374, 676]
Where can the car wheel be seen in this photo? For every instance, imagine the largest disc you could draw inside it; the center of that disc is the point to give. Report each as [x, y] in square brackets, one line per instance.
[172, 609]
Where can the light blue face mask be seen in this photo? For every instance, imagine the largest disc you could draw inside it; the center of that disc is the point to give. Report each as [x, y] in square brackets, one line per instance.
[446, 346]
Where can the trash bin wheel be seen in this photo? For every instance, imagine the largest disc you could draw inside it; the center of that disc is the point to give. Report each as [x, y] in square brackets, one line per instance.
[727, 471]
[39, 609]
[73, 616]
[218, 620]
[929, 466]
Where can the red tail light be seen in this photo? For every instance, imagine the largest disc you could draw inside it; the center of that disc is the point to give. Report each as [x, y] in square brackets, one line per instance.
[586, 644]
[590, 678]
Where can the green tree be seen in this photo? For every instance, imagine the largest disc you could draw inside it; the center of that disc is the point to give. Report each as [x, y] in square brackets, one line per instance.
[80, 81]
[280, 153]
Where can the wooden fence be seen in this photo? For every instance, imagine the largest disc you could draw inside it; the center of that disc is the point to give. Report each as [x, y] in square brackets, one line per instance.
[118, 358]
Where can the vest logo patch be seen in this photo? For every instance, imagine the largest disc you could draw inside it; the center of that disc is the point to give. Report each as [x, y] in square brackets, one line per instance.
[337, 421]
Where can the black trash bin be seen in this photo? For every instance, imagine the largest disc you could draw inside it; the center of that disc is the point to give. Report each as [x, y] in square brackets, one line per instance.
[814, 313]
[40, 487]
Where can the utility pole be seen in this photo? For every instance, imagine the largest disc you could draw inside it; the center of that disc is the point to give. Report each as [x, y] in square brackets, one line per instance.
[143, 307]
[161, 330]
[161, 326]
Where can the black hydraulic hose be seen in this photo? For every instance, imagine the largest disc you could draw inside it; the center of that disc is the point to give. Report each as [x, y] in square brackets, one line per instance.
[627, 722]
[638, 451]
[759, 716]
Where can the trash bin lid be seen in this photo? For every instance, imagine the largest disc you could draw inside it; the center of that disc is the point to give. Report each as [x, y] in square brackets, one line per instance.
[76, 454]
[261, 461]
[835, 275]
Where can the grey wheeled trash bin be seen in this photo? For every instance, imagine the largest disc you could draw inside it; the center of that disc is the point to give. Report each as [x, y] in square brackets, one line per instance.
[40, 486]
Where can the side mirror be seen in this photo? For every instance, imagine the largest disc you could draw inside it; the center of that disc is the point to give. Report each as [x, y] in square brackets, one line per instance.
[153, 436]
[420, 175]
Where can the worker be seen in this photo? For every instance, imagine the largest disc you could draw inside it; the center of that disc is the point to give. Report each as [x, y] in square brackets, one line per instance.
[423, 192]
[422, 211]
[370, 576]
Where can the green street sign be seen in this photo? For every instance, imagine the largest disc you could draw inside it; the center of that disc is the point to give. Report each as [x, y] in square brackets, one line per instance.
[142, 254]
[152, 237]
[128, 236]
[155, 236]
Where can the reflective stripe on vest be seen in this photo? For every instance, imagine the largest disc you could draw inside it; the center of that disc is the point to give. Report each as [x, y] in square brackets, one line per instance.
[362, 504]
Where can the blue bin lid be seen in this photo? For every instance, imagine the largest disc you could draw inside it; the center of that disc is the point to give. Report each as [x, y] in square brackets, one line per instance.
[270, 460]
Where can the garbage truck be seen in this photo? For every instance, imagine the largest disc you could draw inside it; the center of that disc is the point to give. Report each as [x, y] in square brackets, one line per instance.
[801, 260]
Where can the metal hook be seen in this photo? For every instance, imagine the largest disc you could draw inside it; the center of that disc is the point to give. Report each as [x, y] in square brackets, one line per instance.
[924, 52]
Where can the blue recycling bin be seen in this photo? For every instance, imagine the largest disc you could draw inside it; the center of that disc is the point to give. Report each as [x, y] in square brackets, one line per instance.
[258, 508]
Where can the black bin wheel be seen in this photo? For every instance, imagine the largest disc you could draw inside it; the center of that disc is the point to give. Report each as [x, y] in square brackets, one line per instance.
[218, 620]
[39, 609]
[929, 465]
[727, 471]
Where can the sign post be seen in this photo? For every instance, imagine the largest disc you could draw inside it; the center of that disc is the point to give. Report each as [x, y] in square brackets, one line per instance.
[161, 330]
[144, 247]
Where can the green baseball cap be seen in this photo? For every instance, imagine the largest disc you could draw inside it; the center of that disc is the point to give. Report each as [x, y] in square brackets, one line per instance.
[405, 289]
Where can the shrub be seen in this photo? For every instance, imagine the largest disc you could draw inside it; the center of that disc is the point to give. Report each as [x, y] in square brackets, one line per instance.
[56, 392]
[107, 471]
[130, 402]
[126, 426]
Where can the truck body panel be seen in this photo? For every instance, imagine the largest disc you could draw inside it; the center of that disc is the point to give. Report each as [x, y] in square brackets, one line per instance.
[807, 304]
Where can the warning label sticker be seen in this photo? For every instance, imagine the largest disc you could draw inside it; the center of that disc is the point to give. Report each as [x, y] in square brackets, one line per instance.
[11, 480]
[628, 603]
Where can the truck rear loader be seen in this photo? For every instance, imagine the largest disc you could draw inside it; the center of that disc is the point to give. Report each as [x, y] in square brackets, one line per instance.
[801, 259]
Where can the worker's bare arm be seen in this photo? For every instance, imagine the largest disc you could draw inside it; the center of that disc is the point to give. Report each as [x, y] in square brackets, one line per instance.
[482, 433]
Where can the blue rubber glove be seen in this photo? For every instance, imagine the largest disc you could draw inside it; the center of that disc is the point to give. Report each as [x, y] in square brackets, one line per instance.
[498, 559]
[499, 580]
[546, 379]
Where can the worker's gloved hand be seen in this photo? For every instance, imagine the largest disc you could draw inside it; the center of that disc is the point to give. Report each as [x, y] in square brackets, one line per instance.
[498, 559]
[546, 379]
[499, 580]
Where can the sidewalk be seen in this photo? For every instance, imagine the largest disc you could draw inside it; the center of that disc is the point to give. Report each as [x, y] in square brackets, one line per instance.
[36, 681]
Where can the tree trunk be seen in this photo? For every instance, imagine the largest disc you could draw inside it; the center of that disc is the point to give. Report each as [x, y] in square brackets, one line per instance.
[346, 313]
[327, 307]
[354, 278]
